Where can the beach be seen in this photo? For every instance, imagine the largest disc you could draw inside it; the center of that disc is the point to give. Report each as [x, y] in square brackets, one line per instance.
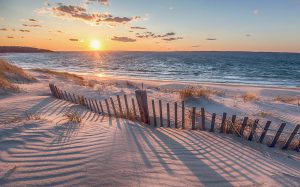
[40, 146]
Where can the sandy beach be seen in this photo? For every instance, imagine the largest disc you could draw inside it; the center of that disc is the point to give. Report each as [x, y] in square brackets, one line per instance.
[39, 146]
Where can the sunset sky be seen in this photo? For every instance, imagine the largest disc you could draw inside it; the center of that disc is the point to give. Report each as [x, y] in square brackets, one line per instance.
[152, 25]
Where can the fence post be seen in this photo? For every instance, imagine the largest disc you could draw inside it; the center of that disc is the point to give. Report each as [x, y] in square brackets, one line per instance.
[160, 114]
[126, 105]
[120, 106]
[263, 134]
[277, 135]
[232, 127]
[168, 115]
[253, 129]
[142, 101]
[107, 106]
[203, 119]
[223, 123]
[291, 137]
[75, 98]
[114, 108]
[133, 106]
[154, 115]
[213, 120]
[194, 118]
[243, 126]
[183, 115]
[175, 113]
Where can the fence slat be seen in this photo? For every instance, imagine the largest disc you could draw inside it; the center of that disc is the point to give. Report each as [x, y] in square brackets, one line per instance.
[126, 105]
[277, 135]
[194, 118]
[264, 132]
[253, 129]
[75, 98]
[66, 94]
[223, 122]
[98, 110]
[154, 115]
[114, 108]
[203, 119]
[183, 115]
[101, 107]
[244, 124]
[175, 113]
[70, 96]
[213, 120]
[107, 106]
[168, 115]
[133, 106]
[91, 103]
[160, 114]
[120, 105]
[288, 142]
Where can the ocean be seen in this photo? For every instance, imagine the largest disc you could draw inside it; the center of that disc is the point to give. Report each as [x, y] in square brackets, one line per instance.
[251, 68]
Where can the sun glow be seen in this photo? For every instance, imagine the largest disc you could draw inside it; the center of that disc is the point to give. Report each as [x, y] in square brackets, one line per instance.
[95, 45]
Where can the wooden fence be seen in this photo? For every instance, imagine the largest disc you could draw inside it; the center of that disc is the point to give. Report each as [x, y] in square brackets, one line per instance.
[178, 116]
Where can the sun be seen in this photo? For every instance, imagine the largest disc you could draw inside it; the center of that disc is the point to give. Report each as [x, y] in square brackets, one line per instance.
[95, 45]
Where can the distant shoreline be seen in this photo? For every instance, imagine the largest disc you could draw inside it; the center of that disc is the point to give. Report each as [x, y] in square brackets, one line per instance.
[18, 49]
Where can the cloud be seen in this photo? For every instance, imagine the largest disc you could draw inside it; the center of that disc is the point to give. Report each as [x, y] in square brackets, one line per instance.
[256, 12]
[195, 46]
[10, 37]
[31, 25]
[33, 20]
[59, 31]
[153, 35]
[140, 28]
[172, 38]
[102, 2]
[248, 35]
[80, 13]
[123, 39]
[3, 29]
[211, 39]
[1, 18]
[23, 30]
[73, 39]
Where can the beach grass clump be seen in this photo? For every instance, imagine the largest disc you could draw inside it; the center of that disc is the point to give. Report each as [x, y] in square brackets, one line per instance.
[192, 92]
[287, 99]
[247, 97]
[73, 116]
[187, 93]
[10, 74]
[69, 76]
[264, 114]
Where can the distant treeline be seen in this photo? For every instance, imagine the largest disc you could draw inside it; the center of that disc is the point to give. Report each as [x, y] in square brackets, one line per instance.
[18, 49]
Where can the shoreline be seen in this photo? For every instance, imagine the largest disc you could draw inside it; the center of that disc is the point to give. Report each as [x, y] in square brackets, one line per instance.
[102, 76]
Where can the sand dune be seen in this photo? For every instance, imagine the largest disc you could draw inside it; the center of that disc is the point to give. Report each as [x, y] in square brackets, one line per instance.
[47, 150]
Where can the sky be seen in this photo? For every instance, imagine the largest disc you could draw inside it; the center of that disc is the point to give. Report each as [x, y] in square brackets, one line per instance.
[152, 25]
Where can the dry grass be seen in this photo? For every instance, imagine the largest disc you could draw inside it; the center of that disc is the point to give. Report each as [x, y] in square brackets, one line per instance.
[33, 116]
[73, 116]
[10, 74]
[69, 76]
[264, 114]
[288, 99]
[249, 97]
[192, 92]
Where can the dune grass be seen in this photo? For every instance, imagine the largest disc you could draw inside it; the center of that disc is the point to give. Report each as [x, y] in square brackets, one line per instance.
[247, 97]
[288, 99]
[69, 76]
[192, 92]
[10, 74]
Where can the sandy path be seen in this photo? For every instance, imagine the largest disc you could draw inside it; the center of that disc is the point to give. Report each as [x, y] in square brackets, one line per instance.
[113, 152]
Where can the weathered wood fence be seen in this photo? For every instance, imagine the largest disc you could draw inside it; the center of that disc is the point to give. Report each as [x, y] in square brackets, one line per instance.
[179, 116]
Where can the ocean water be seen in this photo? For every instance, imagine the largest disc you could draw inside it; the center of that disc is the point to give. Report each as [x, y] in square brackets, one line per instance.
[272, 69]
